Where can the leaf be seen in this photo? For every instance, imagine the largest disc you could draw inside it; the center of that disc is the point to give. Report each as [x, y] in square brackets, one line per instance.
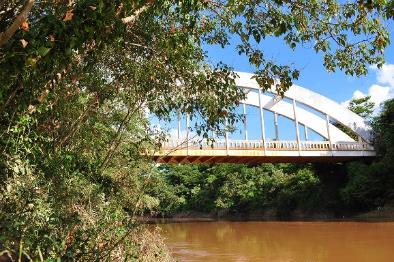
[25, 25]
[31, 109]
[30, 61]
[24, 43]
[43, 51]
[73, 79]
[257, 36]
[68, 51]
[68, 16]
[43, 95]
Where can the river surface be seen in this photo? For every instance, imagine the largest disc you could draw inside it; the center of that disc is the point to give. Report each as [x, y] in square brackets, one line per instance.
[280, 241]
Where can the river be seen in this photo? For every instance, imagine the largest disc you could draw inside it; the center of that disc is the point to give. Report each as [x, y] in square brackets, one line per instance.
[280, 241]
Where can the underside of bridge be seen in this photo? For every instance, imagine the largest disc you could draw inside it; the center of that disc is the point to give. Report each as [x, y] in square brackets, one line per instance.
[252, 159]
[258, 156]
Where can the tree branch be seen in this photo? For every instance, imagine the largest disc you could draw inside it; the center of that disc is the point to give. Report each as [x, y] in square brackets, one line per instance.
[114, 143]
[10, 31]
[131, 19]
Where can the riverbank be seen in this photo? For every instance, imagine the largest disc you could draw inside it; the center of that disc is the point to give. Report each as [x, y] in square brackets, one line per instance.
[385, 213]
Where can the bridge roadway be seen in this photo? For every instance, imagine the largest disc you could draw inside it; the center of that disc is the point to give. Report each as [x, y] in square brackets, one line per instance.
[255, 152]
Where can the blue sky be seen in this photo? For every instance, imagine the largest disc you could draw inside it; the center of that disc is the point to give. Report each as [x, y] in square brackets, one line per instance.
[314, 76]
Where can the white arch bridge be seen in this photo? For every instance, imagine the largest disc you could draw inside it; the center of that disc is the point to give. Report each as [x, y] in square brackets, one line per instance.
[309, 111]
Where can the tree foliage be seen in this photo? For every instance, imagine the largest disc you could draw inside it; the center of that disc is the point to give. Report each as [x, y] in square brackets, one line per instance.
[235, 188]
[384, 129]
[362, 106]
[372, 185]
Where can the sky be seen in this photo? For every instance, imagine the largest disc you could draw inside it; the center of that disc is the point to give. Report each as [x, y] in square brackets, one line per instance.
[378, 83]
[336, 86]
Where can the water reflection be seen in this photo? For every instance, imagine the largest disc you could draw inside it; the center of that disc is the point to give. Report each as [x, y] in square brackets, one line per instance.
[281, 241]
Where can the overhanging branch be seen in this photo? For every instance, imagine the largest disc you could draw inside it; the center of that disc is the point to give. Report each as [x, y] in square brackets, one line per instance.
[10, 31]
[131, 19]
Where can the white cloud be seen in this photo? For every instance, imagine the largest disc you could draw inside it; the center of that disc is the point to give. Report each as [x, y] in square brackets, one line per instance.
[382, 90]
[358, 94]
[385, 75]
[380, 93]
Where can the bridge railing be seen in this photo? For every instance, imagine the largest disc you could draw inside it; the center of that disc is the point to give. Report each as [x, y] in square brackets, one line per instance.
[268, 145]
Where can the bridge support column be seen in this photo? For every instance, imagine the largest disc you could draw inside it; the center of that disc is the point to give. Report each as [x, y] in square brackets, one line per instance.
[179, 126]
[226, 137]
[306, 133]
[296, 125]
[276, 126]
[328, 131]
[187, 133]
[262, 121]
[245, 123]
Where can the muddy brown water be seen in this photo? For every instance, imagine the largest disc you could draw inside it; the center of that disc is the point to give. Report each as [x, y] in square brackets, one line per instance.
[280, 241]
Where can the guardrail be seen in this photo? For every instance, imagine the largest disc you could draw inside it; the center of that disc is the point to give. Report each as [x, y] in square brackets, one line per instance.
[268, 145]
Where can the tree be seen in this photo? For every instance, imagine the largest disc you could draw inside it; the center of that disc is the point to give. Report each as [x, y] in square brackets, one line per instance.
[371, 185]
[236, 188]
[362, 106]
[384, 135]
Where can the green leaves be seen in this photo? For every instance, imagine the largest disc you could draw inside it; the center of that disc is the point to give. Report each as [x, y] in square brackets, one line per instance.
[362, 106]
[43, 51]
[238, 188]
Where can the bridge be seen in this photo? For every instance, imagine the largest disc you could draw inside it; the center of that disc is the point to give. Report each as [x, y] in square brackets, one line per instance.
[309, 111]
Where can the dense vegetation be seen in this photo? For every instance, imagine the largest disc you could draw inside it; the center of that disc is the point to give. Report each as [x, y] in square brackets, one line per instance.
[235, 188]
[78, 77]
[330, 189]
[373, 185]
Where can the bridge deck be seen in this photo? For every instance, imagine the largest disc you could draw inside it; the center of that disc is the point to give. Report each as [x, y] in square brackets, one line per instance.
[254, 152]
